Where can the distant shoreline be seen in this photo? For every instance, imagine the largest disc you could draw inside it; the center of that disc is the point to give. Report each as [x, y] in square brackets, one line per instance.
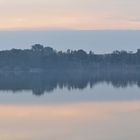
[40, 59]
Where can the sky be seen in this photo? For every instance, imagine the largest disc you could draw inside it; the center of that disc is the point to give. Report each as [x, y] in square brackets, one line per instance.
[69, 14]
[70, 24]
[98, 41]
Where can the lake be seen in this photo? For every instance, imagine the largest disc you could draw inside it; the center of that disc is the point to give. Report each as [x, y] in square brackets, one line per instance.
[103, 111]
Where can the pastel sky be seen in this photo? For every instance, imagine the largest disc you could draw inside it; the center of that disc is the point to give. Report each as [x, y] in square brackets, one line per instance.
[69, 14]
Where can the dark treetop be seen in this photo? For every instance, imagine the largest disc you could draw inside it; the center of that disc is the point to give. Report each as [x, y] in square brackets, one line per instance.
[40, 58]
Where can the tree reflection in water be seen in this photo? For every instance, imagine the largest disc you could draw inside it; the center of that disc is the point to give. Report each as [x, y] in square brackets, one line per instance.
[40, 83]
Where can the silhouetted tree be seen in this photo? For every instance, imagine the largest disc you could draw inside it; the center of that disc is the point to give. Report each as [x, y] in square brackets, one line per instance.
[40, 58]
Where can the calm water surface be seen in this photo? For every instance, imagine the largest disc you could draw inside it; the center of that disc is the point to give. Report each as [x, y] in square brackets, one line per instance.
[102, 112]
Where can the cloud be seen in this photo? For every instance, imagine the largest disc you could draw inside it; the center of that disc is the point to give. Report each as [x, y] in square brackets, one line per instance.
[78, 14]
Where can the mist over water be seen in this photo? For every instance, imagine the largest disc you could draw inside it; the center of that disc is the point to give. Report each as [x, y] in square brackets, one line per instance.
[59, 87]
[100, 41]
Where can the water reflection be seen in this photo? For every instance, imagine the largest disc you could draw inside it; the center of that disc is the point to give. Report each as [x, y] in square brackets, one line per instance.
[101, 113]
[40, 83]
[79, 121]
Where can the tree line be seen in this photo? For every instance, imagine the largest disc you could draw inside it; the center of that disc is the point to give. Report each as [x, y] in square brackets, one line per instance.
[40, 58]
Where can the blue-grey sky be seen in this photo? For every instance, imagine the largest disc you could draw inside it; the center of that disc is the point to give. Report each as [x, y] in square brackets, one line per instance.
[69, 14]
[97, 41]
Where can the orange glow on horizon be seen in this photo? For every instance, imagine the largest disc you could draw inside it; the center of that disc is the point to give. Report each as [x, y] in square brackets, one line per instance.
[79, 22]
[69, 14]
